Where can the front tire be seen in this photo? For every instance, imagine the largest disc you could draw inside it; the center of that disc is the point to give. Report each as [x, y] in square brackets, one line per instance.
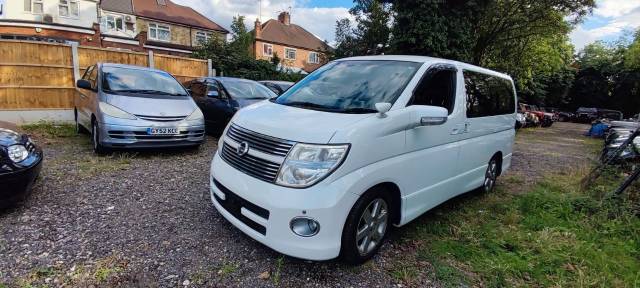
[367, 226]
[95, 139]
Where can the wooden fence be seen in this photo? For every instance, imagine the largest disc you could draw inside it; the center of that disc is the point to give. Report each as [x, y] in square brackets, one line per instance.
[41, 76]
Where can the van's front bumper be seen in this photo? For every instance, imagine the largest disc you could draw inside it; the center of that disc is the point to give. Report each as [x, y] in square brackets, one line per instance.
[130, 136]
[328, 204]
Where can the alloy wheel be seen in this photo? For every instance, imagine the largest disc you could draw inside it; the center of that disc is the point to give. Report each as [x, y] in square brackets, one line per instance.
[372, 226]
[491, 175]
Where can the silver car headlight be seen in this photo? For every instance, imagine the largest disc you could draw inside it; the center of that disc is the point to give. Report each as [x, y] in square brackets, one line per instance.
[306, 164]
[114, 111]
[17, 153]
[195, 115]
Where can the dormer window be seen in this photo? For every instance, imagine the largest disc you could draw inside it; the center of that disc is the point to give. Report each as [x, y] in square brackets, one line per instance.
[162, 2]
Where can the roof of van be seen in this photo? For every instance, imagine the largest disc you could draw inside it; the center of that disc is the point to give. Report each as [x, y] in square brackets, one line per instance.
[425, 59]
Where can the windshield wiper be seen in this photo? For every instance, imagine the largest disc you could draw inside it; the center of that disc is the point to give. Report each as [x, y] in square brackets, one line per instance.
[303, 104]
[358, 110]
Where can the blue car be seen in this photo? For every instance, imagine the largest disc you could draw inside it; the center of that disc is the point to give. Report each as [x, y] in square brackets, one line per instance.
[220, 97]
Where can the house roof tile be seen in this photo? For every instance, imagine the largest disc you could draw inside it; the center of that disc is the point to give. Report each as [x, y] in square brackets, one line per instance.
[292, 34]
[121, 6]
[174, 13]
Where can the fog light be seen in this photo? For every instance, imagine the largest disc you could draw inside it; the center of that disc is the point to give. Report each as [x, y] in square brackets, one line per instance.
[305, 227]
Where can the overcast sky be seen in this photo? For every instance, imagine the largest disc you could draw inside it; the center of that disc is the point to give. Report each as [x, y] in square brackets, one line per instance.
[610, 20]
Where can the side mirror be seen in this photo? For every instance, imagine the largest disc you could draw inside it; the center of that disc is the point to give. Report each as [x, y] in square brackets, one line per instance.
[383, 108]
[431, 115]
[213, 94]
[84, 84]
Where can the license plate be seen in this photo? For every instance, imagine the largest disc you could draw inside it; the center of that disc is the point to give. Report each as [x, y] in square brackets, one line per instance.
[162, 131]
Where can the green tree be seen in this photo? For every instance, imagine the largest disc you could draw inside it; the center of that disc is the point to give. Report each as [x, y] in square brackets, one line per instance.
[373, 25]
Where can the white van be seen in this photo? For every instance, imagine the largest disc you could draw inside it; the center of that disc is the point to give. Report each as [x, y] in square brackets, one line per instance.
[361, 144]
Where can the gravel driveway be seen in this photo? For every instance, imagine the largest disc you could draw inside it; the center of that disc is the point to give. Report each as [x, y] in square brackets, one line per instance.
[145, 219]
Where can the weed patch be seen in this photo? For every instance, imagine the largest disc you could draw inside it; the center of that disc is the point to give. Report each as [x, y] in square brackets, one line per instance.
[50, 129]
[554, 235]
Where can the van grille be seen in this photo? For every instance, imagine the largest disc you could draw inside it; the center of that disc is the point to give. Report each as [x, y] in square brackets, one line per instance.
[260, 142]
[259, 168]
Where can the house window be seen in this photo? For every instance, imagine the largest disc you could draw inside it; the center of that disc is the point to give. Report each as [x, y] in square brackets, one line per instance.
[112, 23]
[33, 6]
[159, 32]
[68, 8]
[267, 49]
[162, 2]
[314, 58]
[203, 37]
[289, 53]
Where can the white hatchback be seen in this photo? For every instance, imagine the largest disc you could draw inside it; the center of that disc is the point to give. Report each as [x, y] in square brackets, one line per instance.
[361, 144]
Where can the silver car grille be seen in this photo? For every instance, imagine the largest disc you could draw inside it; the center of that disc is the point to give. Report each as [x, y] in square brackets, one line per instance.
[161, 118]
[265, 155]
[260, 142]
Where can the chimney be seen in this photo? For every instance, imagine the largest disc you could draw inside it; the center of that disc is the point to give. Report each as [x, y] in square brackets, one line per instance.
[284, 18]
[258, 28]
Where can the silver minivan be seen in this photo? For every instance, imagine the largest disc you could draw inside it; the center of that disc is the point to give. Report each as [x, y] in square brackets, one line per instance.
[127, 106]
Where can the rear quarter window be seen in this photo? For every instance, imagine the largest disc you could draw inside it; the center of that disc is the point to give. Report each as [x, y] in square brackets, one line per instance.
[488, 95]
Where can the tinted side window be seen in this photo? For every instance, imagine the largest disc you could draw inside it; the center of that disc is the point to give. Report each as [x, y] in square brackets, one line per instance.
[436, 89]
[198, 89]
[488, 95]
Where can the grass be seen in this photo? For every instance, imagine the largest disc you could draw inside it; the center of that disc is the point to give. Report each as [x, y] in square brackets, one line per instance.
[227, 269]
[276, 274]
[83, 275]
[51, 129]
[555, 235]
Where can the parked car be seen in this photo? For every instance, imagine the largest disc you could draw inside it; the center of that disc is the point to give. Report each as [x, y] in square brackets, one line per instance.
[220, 97]
[327, 167]
[127, 106]
[277, 87]
[586, 115]
[544, 119]
[564, 116]
[20, 164]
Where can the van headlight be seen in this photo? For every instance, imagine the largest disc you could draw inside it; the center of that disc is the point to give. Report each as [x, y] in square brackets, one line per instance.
[196, 115]
[114, 111]
[306, 164]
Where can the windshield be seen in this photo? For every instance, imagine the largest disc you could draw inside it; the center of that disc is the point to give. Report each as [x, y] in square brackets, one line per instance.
[351, 86]
[245, 89]
[129, 80]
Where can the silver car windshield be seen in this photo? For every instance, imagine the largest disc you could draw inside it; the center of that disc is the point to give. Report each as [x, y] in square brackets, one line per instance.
[120, 80]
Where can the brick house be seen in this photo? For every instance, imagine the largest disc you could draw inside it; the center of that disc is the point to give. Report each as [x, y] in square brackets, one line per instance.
[139, 25]
[297, 48]
[170, 28]
[62, 21]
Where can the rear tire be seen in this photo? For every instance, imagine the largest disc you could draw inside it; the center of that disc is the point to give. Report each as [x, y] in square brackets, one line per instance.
[367, 226]
[95, 139]
[491, 175]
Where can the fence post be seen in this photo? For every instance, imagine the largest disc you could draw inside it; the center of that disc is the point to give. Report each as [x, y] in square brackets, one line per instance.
[76, 63]
[210, 68]
[151, 59]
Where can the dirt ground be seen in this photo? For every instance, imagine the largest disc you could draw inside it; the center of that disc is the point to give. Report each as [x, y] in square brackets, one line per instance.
[145, 219]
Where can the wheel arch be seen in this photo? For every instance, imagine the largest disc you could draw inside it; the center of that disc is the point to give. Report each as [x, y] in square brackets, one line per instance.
[396, 197]
[498, 156]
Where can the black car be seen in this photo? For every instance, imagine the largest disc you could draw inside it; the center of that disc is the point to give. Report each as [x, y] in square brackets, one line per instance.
[20, 163]
[220, 97]
[277, 87]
